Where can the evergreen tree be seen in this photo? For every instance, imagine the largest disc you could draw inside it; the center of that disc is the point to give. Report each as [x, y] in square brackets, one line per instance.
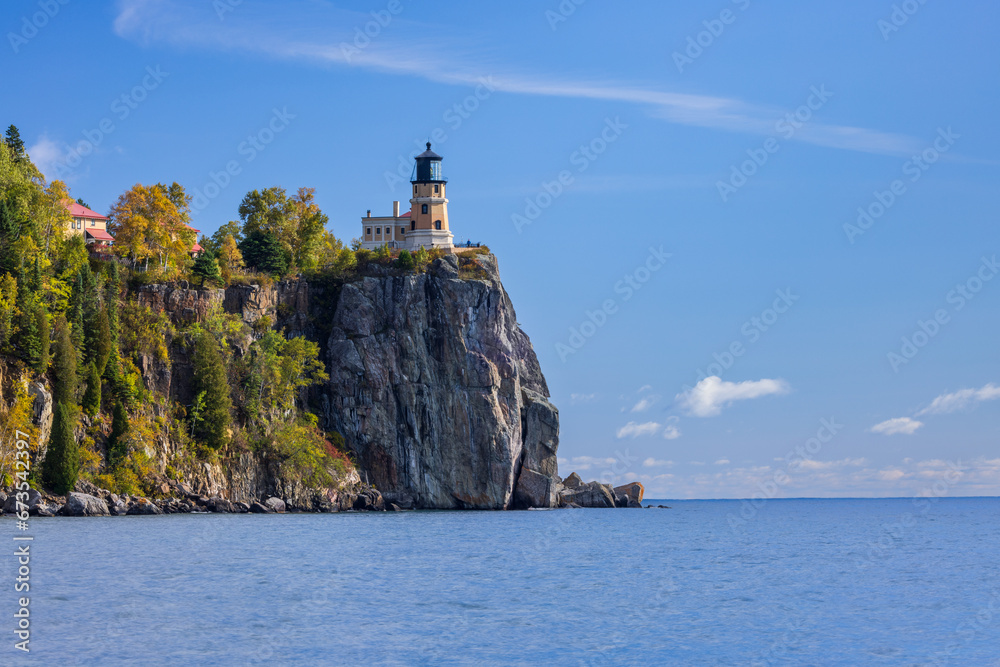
[10, 232]
[111, 292]
[64, 362]
[117, 445]
[15, 144]
[405, 261]
[42, 325]
[75, 316]
[206, 267]
[62, 458]
[104, 341]
[92, 397]
[263, 251]
[212, 386]
[27, 342]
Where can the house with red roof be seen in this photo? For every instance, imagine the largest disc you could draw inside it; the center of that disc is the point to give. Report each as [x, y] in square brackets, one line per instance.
[91, 224]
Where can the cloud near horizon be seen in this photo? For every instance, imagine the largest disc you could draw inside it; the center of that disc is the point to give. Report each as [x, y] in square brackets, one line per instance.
[634, 430]
[252, 31]
[709, 396]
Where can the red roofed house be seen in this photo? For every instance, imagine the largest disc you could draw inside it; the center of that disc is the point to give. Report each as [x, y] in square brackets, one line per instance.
[92, 225]
[196, 249]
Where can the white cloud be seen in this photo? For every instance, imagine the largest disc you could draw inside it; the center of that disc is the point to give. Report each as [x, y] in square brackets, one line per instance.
[903, 425]
[709, 396]
[670, 431]
[580, 463]
[582, 398]
[634, 430]
[811, 464]
[656, 463]
[323, 30]
[47, 155]
[723, 462]
[964, 399]
[645, 387]
[645, 403]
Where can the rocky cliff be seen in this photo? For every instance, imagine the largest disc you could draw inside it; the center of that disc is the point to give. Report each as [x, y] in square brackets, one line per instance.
[432, 384]
[439, 392]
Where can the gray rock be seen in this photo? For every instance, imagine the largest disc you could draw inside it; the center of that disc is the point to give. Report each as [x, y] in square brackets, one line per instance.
[634, 490]
[220, 506]
[10, 504]
[142, 507]
[259, 508]
[592, 494]
[573, 481]
[82, 504]
[241, 508]
[275, 505]
[534, 490]
[370, 500]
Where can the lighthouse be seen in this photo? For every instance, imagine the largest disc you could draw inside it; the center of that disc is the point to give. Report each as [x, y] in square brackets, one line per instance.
[429, 205]
[426, 224]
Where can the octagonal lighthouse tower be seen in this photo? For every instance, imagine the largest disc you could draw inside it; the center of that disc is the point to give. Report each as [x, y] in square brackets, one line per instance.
[429, 212]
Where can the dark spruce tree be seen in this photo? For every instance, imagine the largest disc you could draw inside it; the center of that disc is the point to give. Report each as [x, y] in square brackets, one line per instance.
[10, 232]
[212, 387]
[262, 250]
[15, 144]
[62, 458]
[92, 396]
[117, 444]
[206, 267]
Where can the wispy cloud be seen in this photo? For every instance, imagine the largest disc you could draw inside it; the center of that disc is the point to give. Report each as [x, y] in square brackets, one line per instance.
[670, 431]
[582, 398]
[709, 396]
[965, 399]
[634, 430]
[645, 403]
[900, 425]
[656, 463]
[256, 29]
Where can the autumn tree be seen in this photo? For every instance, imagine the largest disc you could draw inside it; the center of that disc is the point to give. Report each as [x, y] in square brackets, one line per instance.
[230, 258]
[310, 223]
[150, 222]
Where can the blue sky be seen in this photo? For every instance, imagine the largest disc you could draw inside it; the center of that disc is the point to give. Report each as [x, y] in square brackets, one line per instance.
[652, 135]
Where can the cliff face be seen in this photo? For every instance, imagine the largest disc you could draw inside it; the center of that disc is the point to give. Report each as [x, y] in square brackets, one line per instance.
[439, 392]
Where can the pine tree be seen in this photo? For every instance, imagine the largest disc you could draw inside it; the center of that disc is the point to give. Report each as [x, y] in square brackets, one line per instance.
[263, 251]
[10, 232]
[15, 144]
[210, 380]
[62, 458]
[104, 341]
[75, 316]
[42, 325]
[111, 294]
[117, 444]
[92, 397]
[27, 343]
[206, 267]
[64, 363]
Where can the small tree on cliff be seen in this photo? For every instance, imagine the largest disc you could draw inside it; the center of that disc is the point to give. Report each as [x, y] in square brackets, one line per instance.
[405, 261]
[211, 386]
[263, 251]
[65, 387]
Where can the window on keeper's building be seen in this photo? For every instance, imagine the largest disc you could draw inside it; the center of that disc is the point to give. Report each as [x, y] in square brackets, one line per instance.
[378, 231]
[437, 224]
[423, 209]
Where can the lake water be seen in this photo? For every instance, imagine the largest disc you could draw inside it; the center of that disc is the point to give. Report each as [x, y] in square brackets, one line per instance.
[801, 582]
